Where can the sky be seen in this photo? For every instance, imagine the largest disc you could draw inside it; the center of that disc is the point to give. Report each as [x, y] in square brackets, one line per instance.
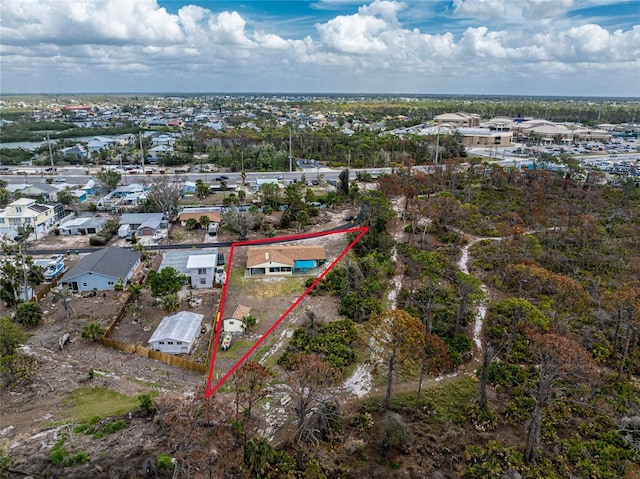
[474, 47]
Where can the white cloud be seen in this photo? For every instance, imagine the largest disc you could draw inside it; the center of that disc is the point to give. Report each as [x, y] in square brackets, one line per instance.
[111, 42]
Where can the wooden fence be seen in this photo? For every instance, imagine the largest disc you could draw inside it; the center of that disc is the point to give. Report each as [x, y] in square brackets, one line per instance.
[143, 351]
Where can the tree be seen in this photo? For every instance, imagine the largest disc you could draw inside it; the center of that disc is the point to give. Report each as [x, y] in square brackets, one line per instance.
[434, 359]
[108, 179]
[240, 222]
[167, 281]
[559, 358]
[396, 337]
[343, 183]
[63, 294]
[249, 383]
[164, 195]
[66, 198]
[204, 221]
[268, 193]
[310, 376]
[468, 292]
[191, 224]
[29, 314]
[202, 189]
[10, 338]
[92, 331]
[170, 303]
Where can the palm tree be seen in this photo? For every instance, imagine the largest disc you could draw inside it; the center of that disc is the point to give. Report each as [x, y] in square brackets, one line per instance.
[63, 294]
[204, 221]
[170, 303]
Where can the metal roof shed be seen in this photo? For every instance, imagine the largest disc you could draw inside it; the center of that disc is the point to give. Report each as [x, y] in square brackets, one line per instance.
[176, 334]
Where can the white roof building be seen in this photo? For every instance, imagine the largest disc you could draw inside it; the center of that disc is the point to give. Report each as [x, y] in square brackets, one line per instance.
[176, 334]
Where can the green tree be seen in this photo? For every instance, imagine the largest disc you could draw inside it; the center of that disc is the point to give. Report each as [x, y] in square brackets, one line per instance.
[29, 314]
[109, 179]
[92, 331]
[191, 224]
[167, 281]
[170, 303]
[11, 336]
[398, 337]
[204, 221]
[202, 189]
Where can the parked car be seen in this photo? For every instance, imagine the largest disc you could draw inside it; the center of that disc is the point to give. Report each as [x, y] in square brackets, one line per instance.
[220, 258]
[226, 341]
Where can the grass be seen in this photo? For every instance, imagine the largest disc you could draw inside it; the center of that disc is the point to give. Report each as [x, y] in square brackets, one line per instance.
[446, 402]
[87, 402]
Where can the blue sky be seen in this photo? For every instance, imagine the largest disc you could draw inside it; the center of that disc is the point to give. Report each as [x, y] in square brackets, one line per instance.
[508, 47]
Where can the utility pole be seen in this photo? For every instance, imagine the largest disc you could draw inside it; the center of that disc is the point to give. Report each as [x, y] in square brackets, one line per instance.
[141, 151]
[290, 156]
[50, 154]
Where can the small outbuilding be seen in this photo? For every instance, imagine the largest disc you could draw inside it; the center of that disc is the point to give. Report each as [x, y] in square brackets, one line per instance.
[235, 324]
[176, 334]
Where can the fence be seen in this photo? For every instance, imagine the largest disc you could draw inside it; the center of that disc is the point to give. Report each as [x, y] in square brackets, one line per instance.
[144, 351]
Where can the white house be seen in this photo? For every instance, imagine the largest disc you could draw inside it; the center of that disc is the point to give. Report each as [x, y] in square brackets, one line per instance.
[201, 270]
[176, 334]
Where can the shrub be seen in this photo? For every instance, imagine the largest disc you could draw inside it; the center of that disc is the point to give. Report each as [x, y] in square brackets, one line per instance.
[29, 314]
[78, 458]
[58, 453]
[394, 435]
[92, 331]
[97, 241]
[164, 461]
[147, 406]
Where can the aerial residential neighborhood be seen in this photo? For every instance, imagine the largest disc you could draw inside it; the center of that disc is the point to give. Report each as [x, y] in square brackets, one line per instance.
[197, 245]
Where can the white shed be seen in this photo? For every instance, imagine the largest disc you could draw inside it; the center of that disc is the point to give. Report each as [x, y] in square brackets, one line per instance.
[176, 334]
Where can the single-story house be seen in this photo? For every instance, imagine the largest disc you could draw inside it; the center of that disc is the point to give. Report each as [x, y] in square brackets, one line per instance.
[235, 324]
[82, 226]
[135, 220]
[44, 190]
[201, 269]
[284, 260]
[176, 334]
[102, 270]
[149, 227]
[214, 216]
[80, 195]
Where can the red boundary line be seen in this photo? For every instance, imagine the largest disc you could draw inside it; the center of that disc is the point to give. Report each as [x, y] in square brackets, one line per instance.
[209, 390]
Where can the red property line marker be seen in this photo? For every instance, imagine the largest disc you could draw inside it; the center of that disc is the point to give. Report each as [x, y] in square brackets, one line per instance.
[210, 390]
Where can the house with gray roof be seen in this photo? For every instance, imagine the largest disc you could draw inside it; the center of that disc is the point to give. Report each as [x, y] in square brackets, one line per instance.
[102, 270]
[176, 334]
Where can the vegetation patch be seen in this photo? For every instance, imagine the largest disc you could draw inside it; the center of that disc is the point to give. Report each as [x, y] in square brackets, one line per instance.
[87, 402]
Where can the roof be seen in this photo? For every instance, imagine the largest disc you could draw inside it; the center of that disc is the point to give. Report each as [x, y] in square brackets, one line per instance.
[113, 261]
[177, 259]
[283, 254]
[202, 261]
[182, 326]
[241, 312]
[138, 218]
[153, 223]
[214, 216]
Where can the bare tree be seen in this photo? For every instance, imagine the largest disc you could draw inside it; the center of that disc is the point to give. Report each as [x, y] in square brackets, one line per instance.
[310, 376]
[559, 358]
[165, 194]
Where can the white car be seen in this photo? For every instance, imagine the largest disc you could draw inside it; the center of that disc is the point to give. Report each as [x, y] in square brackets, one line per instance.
[60, 180]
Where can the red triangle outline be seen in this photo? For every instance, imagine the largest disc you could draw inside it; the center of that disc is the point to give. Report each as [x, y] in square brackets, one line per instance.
[210, 390]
